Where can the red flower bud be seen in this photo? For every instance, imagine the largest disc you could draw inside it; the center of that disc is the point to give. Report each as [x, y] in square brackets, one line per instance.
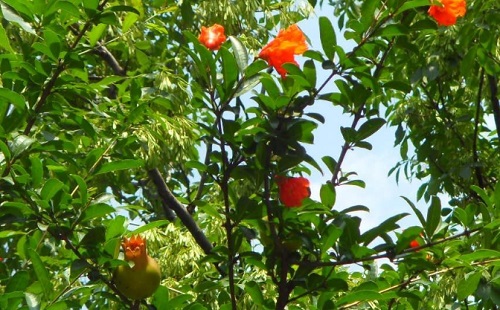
[212, 37]
[293, 191]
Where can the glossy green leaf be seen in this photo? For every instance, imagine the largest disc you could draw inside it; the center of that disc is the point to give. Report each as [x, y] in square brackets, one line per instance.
[468, 285]
[240, 53]
[361, 295]
[393, 30]
[419, 214]
[327, 36]
[368, 13]
[36, 171]
[124, 164]
[8, 96]
[327, 194]
[479, 255]
[386, 226]
[330, 163]
[253, 289]
[310, 72]
[5, 41]
[149, 226]
[482, 193]
[11, 16]
[433, 216]
[41, 273]
[229, 69]
[51, 188]
[369, 127]
[408, 5]
[99, 210]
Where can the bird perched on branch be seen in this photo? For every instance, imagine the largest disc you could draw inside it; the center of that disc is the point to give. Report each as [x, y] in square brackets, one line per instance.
[143, 278]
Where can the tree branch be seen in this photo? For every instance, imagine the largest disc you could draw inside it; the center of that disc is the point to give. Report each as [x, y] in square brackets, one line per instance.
[475, 155]
[175, 205]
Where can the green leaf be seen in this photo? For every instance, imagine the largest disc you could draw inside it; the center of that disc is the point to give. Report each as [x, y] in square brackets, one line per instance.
[36, 171]
[419, 214]
[178, 301]
[349, 134]
[355, 209]
[330, 163]
[124, 164]
[248, 85]
[328, 36]
[386, 226]
[368, 128]
[82, 187]
[229, 70]
[148, 226]
[433, 216]
[468, 285]
[96, 211]
[393, 30]
[368, 13]
[253, 289]
[240, 53]
[496, 196]
[11, 16]
[9, 233]
[327, 194]
[398, 85]
[96, 33]
[480, 254]
[483, 194]
[310, 72]
[19, 281]
[8, 96]
[41, 273]
[407, 5]
[5, 40]
[255, 67]
[329, 237]
[51, 188]
[362, 295]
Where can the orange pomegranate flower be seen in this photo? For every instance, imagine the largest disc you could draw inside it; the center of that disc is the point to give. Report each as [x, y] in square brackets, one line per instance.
[293, 191]
[134, 248]
[281, 50]
[212, 37]
[447, 11]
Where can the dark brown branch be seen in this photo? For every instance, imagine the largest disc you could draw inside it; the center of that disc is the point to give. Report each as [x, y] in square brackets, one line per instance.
[495, 105]
[106, 55]
[358, 115]
[477, 121]
[181, 212]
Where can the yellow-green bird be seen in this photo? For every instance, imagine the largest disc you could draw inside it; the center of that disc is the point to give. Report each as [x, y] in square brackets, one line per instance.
[143, 278]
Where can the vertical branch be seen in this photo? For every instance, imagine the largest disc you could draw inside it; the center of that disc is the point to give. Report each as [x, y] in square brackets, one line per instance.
[477, 121]
[224, 185]
[358, 114]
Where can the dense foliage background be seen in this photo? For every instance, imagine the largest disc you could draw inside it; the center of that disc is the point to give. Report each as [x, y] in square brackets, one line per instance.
[115, 120]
